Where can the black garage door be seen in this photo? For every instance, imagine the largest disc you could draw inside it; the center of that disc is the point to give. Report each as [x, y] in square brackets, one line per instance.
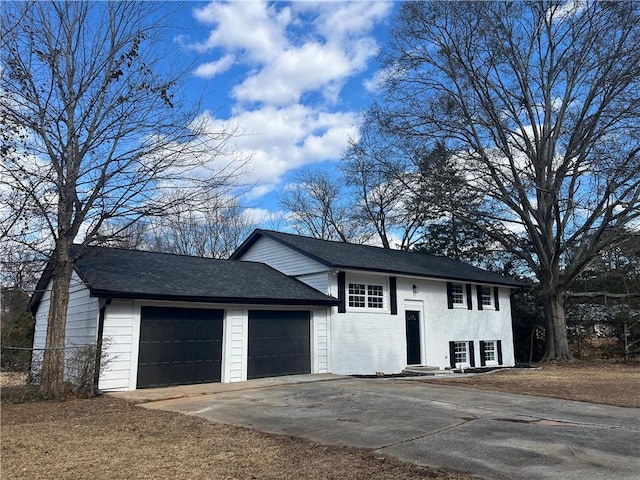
[279, 343]
[179, 346]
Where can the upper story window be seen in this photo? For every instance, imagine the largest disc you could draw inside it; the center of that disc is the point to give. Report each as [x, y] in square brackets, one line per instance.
[486, 296]
[457, 298]
[363, 295]
[457, 294]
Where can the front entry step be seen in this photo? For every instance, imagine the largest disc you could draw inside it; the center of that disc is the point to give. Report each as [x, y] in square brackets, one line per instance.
[424, 370]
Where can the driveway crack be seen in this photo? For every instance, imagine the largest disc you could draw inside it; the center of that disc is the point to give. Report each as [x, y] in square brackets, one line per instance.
[429, 434]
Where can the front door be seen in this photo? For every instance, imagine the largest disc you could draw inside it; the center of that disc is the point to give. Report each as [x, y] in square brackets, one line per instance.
[412, 319]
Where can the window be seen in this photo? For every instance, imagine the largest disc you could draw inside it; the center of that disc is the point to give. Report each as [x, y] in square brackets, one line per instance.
[374, 296]
[486, 296]
[489, 351]
[457, 293]
[366, 296]
[461, 353]
[357, 295]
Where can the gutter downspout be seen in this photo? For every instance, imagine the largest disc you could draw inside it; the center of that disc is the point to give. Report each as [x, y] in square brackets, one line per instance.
[104, 303]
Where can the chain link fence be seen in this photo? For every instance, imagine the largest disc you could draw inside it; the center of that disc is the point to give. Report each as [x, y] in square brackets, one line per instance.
[22, 366]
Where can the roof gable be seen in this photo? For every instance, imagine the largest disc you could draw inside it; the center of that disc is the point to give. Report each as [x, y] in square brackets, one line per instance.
[340, 255]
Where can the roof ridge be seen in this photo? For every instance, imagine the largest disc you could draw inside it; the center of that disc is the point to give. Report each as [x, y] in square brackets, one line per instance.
[338, 242]
[156, 252]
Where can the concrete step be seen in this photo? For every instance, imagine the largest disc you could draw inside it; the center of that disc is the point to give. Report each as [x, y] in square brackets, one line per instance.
[423, 370]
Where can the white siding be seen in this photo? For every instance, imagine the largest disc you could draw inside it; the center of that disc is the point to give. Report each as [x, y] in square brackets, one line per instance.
[120, 346]
[320, 341]
[236, 330]
[276, 255]
[40, 329]
[82, 315]
[82, 319]
[319, 281]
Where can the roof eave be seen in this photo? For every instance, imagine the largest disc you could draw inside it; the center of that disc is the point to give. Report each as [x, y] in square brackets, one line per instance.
[512, 284]
[329, 301]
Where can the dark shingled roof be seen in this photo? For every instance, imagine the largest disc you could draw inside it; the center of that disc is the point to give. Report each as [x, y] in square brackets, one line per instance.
[340, 255]
[120, 273]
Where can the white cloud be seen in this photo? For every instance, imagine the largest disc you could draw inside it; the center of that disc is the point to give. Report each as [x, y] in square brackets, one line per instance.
[260, 216]
[311, 67]
[374, 83]
[252, 27]
[277, 140]
[211, 69]
[566, 10]
[292, 62]
[339, 20]
[291, 50]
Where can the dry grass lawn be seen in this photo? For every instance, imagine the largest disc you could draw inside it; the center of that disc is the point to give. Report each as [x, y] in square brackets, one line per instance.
[107, 438]
[608, 383]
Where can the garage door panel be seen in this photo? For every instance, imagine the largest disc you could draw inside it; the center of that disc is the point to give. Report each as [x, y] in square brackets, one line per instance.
[279, 343]
[179, 346]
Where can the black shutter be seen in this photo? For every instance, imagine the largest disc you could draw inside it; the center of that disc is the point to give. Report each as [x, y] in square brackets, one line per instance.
[482, 360]
[393, 295]
[472, 356]
[452, 354]
[499, 348]
[342, 306]
[479, 291]
[496, 297]
[469, 302]
[449, 295]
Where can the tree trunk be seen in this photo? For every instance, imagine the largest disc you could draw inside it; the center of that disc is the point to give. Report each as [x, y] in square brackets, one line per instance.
[556, 346]
[54, 356]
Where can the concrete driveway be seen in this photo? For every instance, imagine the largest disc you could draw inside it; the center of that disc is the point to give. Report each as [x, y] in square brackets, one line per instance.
[491, 435]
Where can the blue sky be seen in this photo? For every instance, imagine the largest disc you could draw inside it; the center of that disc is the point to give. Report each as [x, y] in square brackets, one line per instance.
[292, 76]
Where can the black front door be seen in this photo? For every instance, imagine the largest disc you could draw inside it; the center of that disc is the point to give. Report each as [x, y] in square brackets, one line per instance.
[413, 337]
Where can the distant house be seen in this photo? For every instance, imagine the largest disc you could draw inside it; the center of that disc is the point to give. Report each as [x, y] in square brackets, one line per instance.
[283, 305]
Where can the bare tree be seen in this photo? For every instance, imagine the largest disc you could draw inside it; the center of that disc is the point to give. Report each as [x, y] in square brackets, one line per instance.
[540, 101]
[318, 206]
[386, 191]
[93, 133]
[214, 229]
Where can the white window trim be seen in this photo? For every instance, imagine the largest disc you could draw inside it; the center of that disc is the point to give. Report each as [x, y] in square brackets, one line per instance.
[465, 364]
[492, 304]
[494, 362]
[462, 305]
[366, 281]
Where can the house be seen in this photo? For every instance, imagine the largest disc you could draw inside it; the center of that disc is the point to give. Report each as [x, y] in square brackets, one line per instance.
[284, 304]
[396, 308]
